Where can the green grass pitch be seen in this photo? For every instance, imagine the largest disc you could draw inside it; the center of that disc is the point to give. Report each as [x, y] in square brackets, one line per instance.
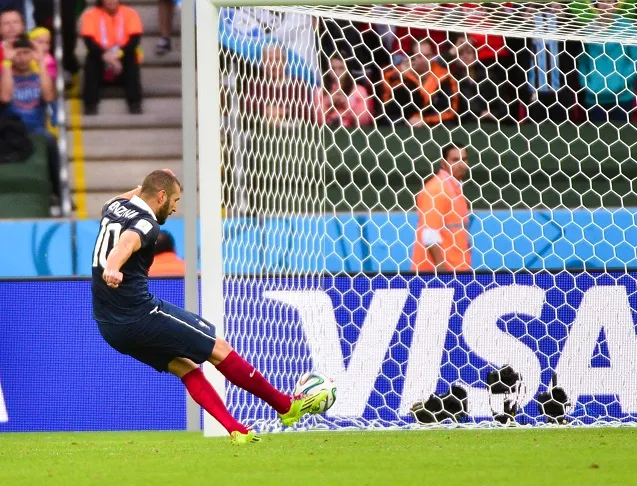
[512, 457]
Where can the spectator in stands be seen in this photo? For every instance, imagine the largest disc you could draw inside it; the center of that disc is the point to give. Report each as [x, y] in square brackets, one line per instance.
[43, 15]
[607, 71]
[112, 34]
[166, 263]
[28, 91]
[396, 88]
[404, 37]
[278, 98]
[345, 102]
[41, 39]
[442, 236]
[11, 26]
[478, 94]
[357, 42]
[165, 14]
[426, 92]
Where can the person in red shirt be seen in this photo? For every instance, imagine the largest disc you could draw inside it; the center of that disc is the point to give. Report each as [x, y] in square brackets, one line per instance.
[112, 34]
[166, 263]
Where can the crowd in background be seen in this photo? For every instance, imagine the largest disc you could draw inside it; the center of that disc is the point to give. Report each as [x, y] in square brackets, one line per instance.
[371, 73]
[111, 32]
[384, 74]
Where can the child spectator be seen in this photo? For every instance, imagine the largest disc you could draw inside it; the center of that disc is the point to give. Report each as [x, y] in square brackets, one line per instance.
[41, 39]
[70, 10]
[112, 34]
[345, 102]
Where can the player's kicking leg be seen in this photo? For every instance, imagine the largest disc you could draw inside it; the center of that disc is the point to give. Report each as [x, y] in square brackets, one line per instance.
[174, 340]
[205, 395]
[180, 334]
[242, 374]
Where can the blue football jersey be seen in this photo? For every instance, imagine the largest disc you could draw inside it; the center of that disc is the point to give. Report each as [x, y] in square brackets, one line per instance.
[131, 301]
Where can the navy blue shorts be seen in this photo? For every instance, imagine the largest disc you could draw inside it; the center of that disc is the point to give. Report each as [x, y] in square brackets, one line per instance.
[167, 332]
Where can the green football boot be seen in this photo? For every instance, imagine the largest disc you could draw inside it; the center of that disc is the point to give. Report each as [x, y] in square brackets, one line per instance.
[237, 438]
[302, 405]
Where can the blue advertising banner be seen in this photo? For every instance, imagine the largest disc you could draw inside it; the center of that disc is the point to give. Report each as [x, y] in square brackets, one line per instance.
[57, 373]
[387, 341]
[560, 239]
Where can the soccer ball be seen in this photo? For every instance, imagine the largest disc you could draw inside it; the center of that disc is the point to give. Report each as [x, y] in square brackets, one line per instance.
[312, 382]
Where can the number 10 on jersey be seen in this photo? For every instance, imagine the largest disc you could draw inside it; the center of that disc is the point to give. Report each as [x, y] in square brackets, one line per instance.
[106, 240]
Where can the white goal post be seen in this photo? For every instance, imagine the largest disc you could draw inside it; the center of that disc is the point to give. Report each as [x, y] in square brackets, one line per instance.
[333, 141]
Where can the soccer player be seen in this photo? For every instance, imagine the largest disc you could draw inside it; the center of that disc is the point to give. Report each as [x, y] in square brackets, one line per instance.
[157, 333]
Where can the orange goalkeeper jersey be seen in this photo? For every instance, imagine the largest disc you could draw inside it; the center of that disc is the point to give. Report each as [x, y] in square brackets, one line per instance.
[443, 219]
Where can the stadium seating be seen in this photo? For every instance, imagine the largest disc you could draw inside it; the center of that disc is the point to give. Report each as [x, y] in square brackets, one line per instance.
[25, 186]
[118, 149]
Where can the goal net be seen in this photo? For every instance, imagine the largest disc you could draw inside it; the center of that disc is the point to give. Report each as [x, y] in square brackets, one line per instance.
[435, 206]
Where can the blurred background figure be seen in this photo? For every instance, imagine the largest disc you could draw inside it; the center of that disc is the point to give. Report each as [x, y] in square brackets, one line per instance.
[41, 39]
[11, 26]
[112, 34]
[27, 88]
[167, 263]
[420, 89]
[277, 99]
[479, 99]
[443, 242]
[438, 88]
[43, 16]
[345, 102]
[549, 64]
[165, 14]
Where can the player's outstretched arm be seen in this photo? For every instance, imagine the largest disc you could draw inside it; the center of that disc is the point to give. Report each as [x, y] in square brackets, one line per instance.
[129, 242]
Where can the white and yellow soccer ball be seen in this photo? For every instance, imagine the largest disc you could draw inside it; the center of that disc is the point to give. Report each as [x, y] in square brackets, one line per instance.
[314, 381]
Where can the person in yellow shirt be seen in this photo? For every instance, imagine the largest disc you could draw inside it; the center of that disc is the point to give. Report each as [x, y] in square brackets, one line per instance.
[166, 263]
[442, 236]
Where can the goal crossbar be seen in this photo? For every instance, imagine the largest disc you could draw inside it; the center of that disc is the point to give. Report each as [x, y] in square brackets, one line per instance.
[294, 3]
[511, 20]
